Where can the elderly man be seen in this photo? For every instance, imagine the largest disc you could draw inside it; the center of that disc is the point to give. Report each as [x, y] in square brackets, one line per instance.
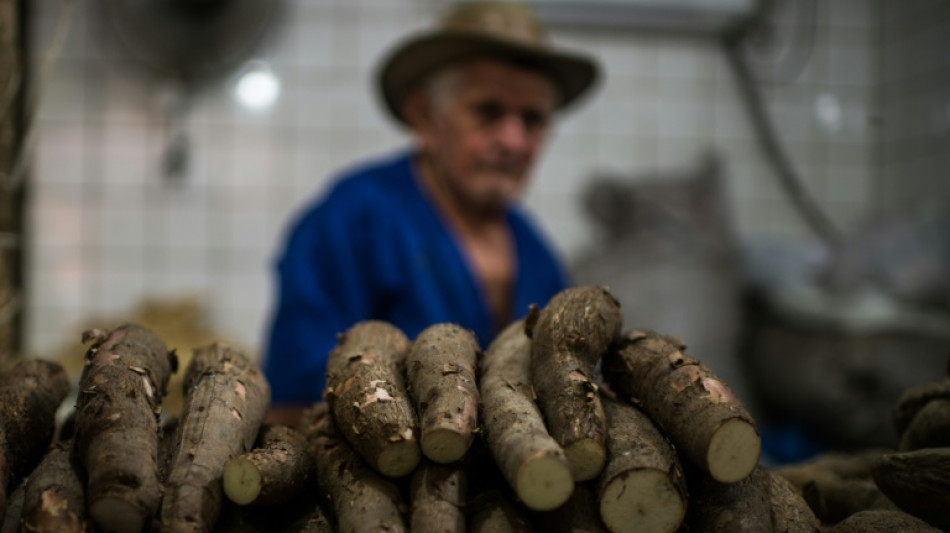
[431, 235]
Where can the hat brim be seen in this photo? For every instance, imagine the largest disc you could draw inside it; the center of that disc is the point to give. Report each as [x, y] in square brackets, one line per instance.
[417, 58]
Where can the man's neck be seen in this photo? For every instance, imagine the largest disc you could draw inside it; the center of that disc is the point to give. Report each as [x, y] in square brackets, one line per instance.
[464, 218]
[485, 239]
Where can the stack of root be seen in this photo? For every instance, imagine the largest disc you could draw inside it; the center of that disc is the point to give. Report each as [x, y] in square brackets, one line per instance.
[566, 422]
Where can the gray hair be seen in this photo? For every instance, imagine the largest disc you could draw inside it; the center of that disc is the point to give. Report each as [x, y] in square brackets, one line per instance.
[442, 84]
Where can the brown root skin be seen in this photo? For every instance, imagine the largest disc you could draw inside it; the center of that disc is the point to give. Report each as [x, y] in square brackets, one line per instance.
[362, 500]
[762, 502]
[569, 337]
[440, 367]
[692, 406]
[851, 465]
[10, 523]
[167, 445]
[226, 400]
[582, 321]
[930, 427]
[837, 485]
[642, 487]
[881, 521]
[790, 513]
[367, 396]
[916, 398]
[54, 498]
[918, 482]
[116, 428]
[316, 520]
[533, 464]
[277, 470]
[438, 498]
[833, 499]
[741, 507]
[30, 393]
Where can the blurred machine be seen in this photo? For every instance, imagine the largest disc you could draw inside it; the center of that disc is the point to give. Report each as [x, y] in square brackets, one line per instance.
[682, 16]
[194, 41]
[834, 343]
[179, 47]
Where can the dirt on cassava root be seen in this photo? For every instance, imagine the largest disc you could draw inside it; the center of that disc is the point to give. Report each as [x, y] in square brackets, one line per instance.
[278, 469]
[692, 406]
[54, 499]
[440, 371]
[226, 398]
[568, 338]
[367, 395]
[362, 500]
[642, 488]
[30, 392]
[120, 394]
[531, 461]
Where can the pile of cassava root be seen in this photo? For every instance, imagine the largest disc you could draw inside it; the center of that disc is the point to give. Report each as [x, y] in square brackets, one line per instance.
[565, 423]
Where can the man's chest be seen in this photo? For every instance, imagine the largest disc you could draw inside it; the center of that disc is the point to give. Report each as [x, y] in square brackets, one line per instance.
[492, 260]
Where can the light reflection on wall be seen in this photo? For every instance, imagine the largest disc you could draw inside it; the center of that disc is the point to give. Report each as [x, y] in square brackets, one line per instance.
[257, 87]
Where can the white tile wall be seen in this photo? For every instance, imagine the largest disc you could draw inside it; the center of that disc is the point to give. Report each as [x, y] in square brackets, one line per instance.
[914, 105]
[109, 229]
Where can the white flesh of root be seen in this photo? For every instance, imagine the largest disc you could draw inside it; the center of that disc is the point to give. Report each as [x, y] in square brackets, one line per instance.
[733, 451]
[544, 483]
[444, 445]
[643, 501]
[242, 481]
[399, 459]
[586, 458]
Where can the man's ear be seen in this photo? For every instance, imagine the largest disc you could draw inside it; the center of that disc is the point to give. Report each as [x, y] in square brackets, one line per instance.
[417, 111]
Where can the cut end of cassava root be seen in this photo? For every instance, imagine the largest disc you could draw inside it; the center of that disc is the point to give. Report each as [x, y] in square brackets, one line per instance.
[587, 458]
[642, 501]
[242, 481]
[399, 458]
[444, 445]
[733, 451]
[544, 482]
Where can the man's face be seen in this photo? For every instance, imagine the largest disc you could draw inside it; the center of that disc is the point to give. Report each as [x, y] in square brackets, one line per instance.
[483, 128]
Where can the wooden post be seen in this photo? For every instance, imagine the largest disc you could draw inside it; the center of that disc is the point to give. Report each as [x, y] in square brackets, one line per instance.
[12, 117]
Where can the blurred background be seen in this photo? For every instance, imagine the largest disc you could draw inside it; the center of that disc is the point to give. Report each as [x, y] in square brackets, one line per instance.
[773, 195]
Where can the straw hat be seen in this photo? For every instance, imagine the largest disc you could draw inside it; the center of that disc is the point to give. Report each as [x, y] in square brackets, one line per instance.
[478, 29]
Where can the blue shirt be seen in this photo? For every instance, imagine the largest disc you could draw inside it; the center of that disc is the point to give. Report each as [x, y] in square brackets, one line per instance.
[375, 248]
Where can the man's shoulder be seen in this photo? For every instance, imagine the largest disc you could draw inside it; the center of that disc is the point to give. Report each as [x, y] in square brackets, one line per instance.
[372, 181]
[370, 189]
